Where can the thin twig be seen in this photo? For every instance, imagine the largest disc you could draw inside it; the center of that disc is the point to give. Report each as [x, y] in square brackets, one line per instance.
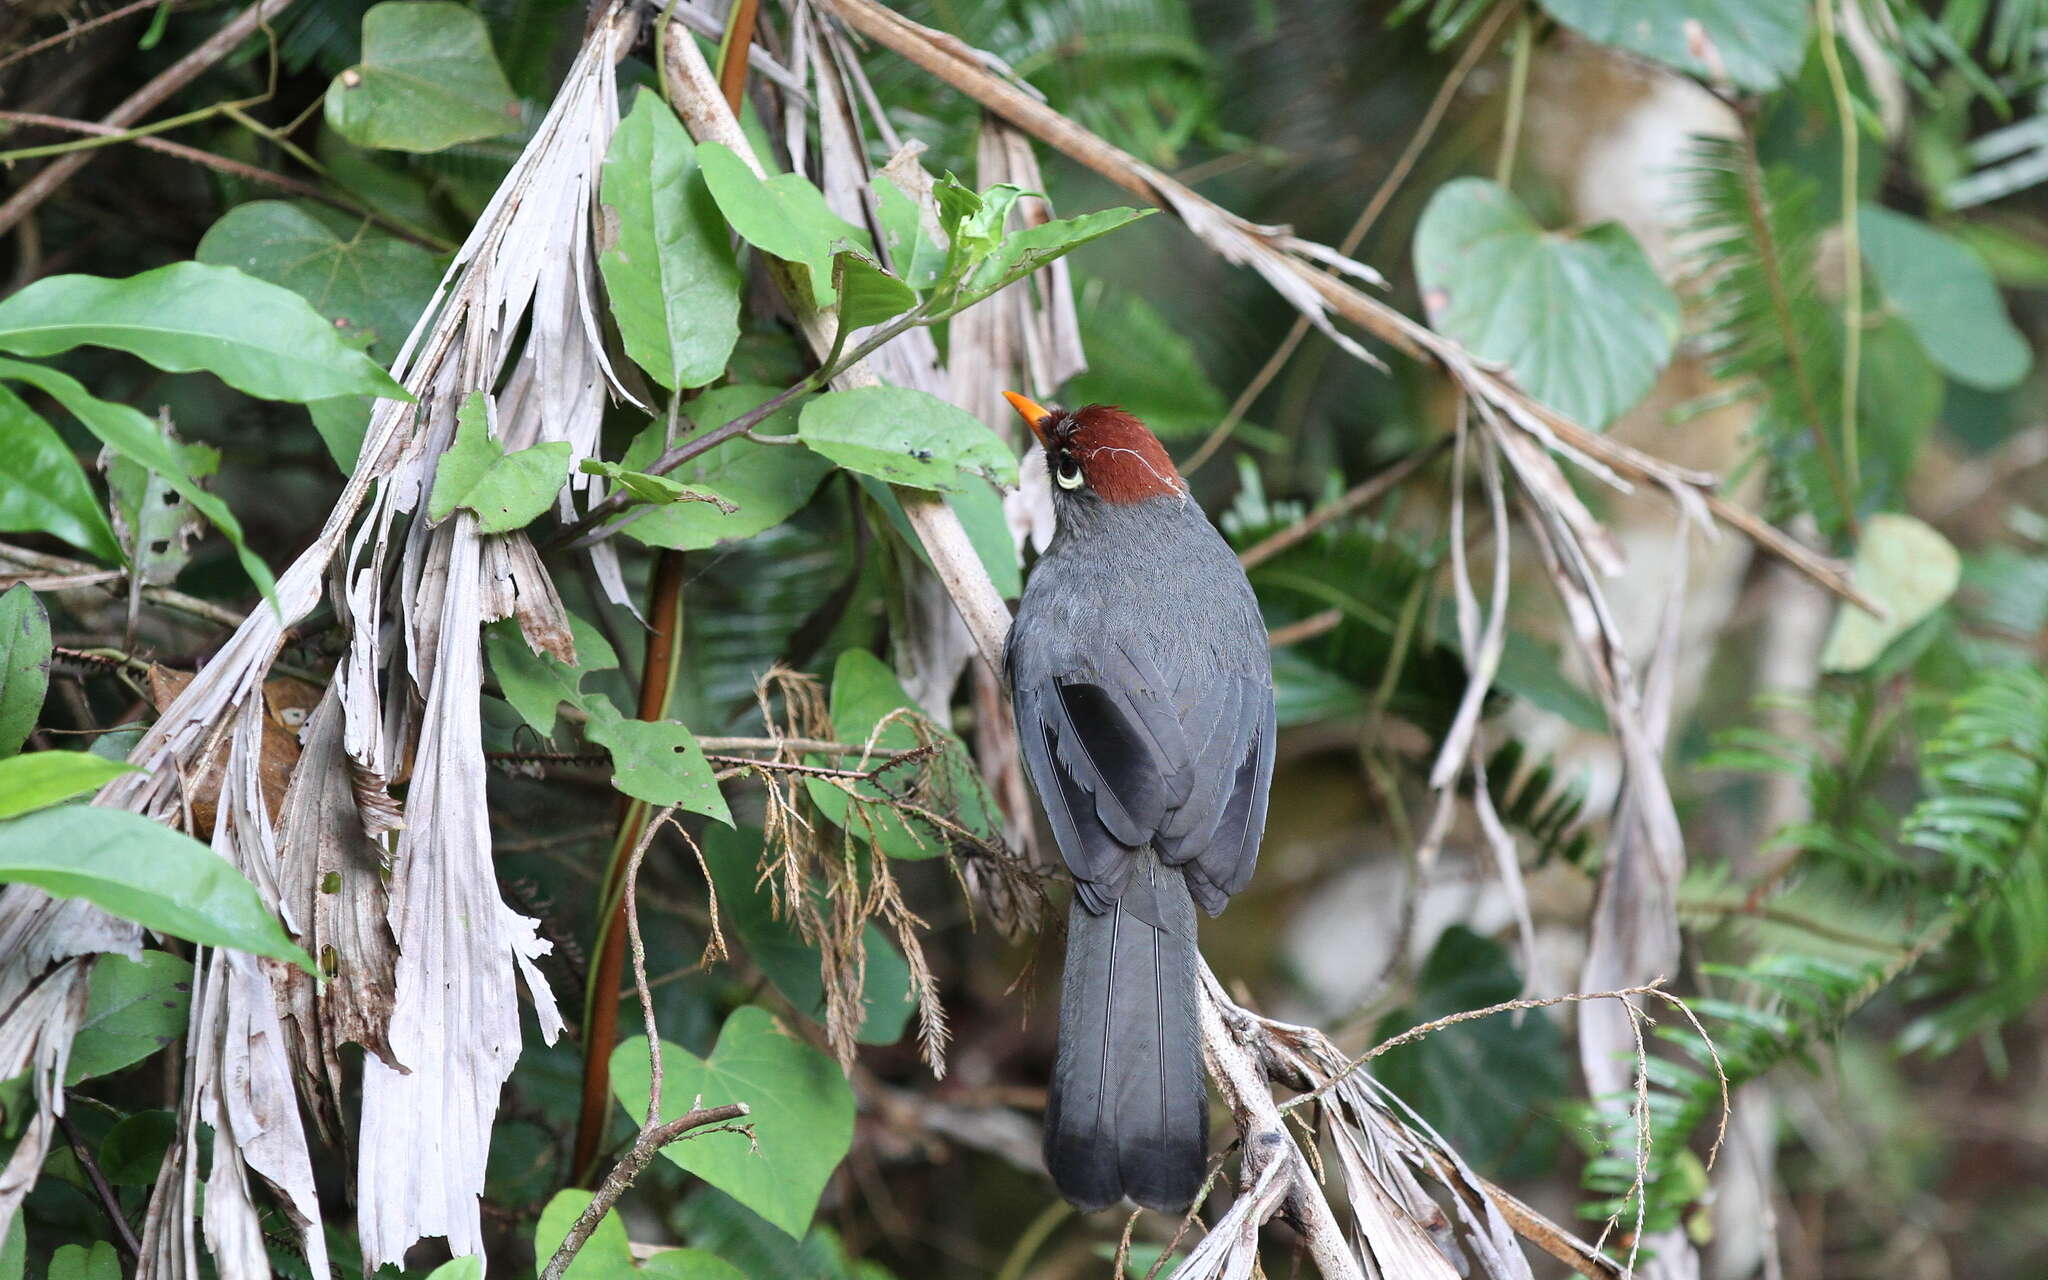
[138, 104]
[1315, 624]
[654, 1134]
[79, 29]
[1360, 495]
[235, 169]
[1424, 132]
[1518, 93]
[60, 573]
[124, 1235]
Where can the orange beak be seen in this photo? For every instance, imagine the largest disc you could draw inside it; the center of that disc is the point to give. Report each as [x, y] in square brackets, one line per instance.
[1031, 411]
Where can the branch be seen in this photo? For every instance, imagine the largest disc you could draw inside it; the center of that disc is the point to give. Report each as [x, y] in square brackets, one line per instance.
[1362, 495]
[654, 1134]
[140, 103]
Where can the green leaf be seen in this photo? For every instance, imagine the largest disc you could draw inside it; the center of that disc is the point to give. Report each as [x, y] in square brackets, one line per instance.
[690, 1264]
[1023, 252]
[505, 491]
[801, 1111]
[536, 683]
[767, 483]
[864, 693]
[134, 1008]
[785, 216]
[793, 965]
[1946, 296]
[652, 489]
[143, 871]
[428, 80]
[657, 761]
[24, 665]
[980, 508]
[369, 284]
[136, 437]
[606, 1255]
[467, 1268]
[915, 256]
[670, 274]
[904, 437]
[42, 487]
[1753, 44]
[133, 1151]
[867, 294]
[743, 1239]
[342, 423]
[76, 1262]
[1903, 565]
[1582, 320]
[1138, 359]
[1483, 1084]
[255, 336]
[43, 778]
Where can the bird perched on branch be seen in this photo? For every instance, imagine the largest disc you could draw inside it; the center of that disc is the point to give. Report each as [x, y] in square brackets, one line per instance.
[1144, 699]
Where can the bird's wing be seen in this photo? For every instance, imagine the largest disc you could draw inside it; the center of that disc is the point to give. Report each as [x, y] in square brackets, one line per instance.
[1123, 757]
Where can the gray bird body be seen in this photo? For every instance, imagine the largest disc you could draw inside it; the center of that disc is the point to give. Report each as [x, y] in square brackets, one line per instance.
[1144, 701]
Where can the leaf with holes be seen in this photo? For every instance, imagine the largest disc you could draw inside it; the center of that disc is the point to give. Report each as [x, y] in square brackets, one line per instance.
[42, 487]
[670, 274]
[1753, 44]
[505, 491]
[905, 437]
[253, 335]
[428, 80]
[24, 665]
[1581, 320]
[537, 683]
[657, 761]
[800, 1106]
[368, 284]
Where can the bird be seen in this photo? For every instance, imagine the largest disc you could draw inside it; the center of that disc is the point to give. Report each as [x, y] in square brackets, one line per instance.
[1142, 689]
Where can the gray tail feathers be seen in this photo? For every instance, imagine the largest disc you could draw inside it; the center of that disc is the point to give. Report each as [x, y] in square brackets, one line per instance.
[1128, 1114]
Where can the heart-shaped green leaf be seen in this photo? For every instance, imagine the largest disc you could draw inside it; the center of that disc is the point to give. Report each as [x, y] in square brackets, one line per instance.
[1582, 320]
[143, 871]
[505, 491]
[1946, 296]
[670, 274]
[799, 1105]
[428, 80]
[904, 437]
[1753, 44]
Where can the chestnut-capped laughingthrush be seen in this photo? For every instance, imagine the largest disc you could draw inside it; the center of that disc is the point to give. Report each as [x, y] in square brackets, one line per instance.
[1144, 697]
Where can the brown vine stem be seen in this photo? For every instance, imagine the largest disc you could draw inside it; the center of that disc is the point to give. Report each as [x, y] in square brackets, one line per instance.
[140, 103]
[654, 1134]
[72, 33]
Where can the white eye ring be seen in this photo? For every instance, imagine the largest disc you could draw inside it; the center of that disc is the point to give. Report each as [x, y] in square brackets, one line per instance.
[1069, 479]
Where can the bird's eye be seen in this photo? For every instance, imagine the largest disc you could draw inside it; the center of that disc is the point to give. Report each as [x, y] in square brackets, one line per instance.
[1069, 473]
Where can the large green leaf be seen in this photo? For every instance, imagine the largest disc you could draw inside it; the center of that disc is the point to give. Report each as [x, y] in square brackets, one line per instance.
[767, 483]
[143, 871]
[864, 694]
[42, 487]
[133, 1009]
[801, 1111]
[367, 283]
[1483, 1084]
[793, 965]
[1902, 564]
[24, 665]
[428, 80]
[1753, 44]
[784, 215]
[670, 274]
[904, 437]
[980, 508]
[77, 1262]
[43, 778]
[657, 761]
[713, 1220]
[1582, 320]
[505, 491]
[253, 335]
[1946, 296]
[136, 437]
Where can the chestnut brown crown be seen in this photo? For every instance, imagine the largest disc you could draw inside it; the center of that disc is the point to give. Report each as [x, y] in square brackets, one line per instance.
[1102, 449]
